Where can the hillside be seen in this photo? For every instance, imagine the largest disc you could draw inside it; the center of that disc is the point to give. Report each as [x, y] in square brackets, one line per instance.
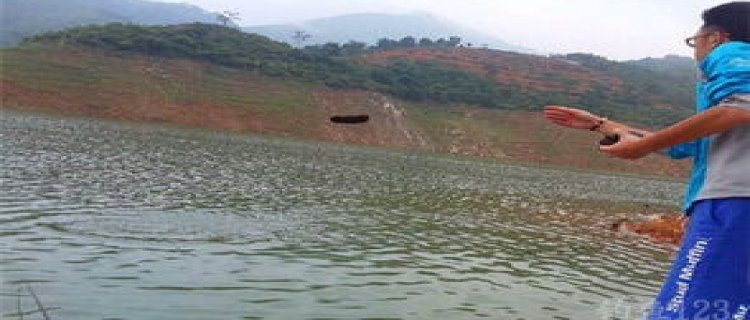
[329, 64]
[133, 87]
[23, 18]
[419, 72]
[670, 79]
[95, 82]
[618, 90]
[370, 27]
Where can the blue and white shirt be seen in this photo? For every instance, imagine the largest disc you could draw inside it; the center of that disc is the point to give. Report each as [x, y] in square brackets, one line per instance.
[721, 162]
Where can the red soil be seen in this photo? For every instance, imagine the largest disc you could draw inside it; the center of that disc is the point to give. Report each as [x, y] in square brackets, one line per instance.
[668, 228]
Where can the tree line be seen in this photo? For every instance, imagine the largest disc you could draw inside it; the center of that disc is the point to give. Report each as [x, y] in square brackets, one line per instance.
[357, 47]
[328, 63]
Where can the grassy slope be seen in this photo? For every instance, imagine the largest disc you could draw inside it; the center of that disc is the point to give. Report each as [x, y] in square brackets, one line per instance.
[86, 82]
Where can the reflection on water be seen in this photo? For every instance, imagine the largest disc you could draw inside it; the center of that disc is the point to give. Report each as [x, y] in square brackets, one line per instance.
[118, 221]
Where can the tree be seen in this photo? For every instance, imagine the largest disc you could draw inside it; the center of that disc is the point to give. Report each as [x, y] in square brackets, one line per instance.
[227, 16]
[407, 42]
[425, 42]
[353, 47]
[300, 37]
[454, 41]
[386, 44]
[330, 49]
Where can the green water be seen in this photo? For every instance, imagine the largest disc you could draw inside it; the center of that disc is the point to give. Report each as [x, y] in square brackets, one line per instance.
[119, 221]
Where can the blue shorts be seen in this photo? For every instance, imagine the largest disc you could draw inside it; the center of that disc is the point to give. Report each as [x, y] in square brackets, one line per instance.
[710, 276]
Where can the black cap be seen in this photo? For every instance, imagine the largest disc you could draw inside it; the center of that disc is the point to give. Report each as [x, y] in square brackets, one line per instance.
[732, 18]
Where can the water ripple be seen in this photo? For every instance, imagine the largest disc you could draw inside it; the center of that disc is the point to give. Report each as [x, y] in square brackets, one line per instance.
[152, 222]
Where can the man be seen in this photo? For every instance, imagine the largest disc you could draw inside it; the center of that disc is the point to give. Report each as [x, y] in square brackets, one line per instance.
[710, 277]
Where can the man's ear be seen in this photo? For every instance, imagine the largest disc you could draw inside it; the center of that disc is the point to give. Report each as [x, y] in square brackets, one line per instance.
[722, 38]
[714, 40]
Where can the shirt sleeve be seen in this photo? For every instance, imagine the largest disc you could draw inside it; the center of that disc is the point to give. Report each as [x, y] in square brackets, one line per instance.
[681, 151]
[688, 149]
[741, 100]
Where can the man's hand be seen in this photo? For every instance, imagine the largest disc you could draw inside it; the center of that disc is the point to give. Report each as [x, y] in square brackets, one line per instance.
[712, 121]
[570, 117]
[629, 147]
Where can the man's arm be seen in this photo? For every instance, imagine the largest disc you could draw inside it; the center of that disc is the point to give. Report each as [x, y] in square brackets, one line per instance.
[714, 120]
[584, 120]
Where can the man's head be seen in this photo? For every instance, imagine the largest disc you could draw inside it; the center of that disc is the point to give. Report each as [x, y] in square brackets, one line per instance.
[727, 22]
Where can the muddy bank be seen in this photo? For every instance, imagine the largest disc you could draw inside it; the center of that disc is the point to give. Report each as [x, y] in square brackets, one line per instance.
[667, 228]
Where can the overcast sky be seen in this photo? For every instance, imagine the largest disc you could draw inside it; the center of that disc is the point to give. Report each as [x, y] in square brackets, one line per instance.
[618, 29]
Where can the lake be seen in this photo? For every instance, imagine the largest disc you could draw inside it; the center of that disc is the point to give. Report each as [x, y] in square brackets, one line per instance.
[106, 220]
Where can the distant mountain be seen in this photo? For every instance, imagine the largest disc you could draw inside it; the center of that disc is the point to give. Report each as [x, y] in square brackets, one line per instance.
[370, 27]
[23, 18]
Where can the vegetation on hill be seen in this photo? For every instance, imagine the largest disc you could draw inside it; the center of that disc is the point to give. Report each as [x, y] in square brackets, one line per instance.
[670, 87]
[442, 77]
[678, 67]
[532, 81]
[205, 42]
[325, 64]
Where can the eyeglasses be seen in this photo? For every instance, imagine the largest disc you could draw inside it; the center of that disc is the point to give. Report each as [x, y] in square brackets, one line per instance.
[690, 42]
